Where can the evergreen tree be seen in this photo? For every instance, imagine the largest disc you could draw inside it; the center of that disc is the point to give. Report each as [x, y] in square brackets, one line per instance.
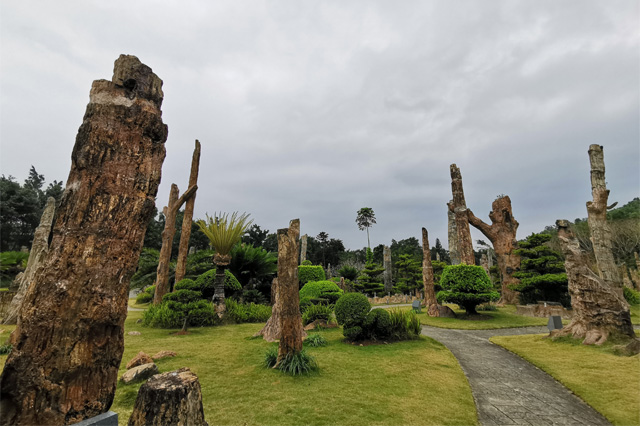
[408, 275]
[369, 279]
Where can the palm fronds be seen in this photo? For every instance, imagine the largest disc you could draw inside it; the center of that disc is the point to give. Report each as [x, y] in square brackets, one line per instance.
[224, 231]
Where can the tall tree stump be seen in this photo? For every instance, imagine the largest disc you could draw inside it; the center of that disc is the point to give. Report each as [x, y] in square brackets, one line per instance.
[271, 330]
[37, 255]
[388, 270]
[598, 311]
[502, 234]
[288, 298]
[303, 249]
[187, 219]
[173, 398]
[427, 272]
[452, 234]
[70, 336]
[459, 209]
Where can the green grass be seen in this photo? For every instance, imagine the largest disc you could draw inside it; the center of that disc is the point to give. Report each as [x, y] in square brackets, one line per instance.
[635, 314]
[504, 317]
[373, 385]
[609, 383]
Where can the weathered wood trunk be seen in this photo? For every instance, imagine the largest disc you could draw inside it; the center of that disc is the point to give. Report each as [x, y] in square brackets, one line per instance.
[70, 336]
[187, 219]
[170, 212]
[172, 398]
[502, 234]
[287, 301]
[452, 235]
[37, 255]
[388, 270]
[427, 272]
[597, 220]
[303, 249]
[459, 206]
[271, 330]
[598, 311]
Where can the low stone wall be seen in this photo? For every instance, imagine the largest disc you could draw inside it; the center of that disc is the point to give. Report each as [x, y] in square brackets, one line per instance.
[5, 301]
[541, 310]
[390, 300]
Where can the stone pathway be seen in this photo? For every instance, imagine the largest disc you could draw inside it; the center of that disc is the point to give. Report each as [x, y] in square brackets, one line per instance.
[507, 389]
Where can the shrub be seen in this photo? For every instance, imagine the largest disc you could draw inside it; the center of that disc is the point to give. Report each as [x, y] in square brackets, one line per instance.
[254, 296]
[632, 296]
[349, 272]
[467, 286]
[405, 325]
[206, 284]
[315, 340]
[182, 296]
[151, 290]
[177, 306]
[305, 302]
[377, 324]
[353, 333]
[321, 290]
[241, 313]
[294, 364]
[317, 312]
[6, 349]
[143, 298]
[487, 307]
[162, 316]
[187, 284]
[308, 273]
[351, 309]
[307, 262]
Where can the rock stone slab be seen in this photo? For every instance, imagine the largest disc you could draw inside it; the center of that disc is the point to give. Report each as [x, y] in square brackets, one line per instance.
[140, 372]
[163, 354]
[139, 359]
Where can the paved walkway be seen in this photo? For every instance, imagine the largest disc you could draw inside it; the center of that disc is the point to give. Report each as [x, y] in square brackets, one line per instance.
[507, 389]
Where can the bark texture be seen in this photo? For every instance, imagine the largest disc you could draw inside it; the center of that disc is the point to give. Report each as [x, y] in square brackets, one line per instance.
[70, 336]
[502, 234]
[37, 255]
[185, 235]
[597, 220]
[459, 208]
[303, 249]
[287, 300]
[598, 311]
[172, 398]
[452, 235]
[170, 212]
[388, 282]
[427, 272]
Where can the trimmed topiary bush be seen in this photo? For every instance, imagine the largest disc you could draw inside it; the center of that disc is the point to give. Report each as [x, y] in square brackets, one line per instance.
[151, 290]
[352, 309]
[467, 286]
[187, 284]
[377, 324]
[205, 283]
[631, 296]
[178, 306]
[143, 298]
[182, 296]
[308, 273]
[353, 333]
[321, 290]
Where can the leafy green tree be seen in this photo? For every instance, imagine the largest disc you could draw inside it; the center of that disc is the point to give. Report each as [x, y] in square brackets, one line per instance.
[408, 275]
[467, 286]
[20, 212]
[323, 238]
[369, 279]
[438, 249]
[365, 219]
[542, 275]
[255, 236]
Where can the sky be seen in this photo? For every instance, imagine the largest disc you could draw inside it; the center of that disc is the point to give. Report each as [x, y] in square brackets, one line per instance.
[313, 110]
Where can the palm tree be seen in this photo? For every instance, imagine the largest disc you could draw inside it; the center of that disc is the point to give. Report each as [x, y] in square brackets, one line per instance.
[224, 232]
[365, 218]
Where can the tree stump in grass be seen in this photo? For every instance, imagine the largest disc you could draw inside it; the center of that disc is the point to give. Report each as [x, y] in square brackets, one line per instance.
[172, 398]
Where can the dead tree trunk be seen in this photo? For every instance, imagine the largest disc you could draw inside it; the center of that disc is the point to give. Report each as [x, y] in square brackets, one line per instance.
[185, 235]
[453, 235]
[39, 250]
[172, 398]
[427, 272]
[303, 249]
[271, 330]
[502, 234]
[598, 311]
[387, 276]
[597, 220]
[170, 212]
[287, 301]
[459, 206]
[70, 336]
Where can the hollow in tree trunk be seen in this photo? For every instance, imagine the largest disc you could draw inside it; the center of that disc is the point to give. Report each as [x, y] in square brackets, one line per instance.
[598, 311]
[502, 234]
[70, 336]
[459, 208]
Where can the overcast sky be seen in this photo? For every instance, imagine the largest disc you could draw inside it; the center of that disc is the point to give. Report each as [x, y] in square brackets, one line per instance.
[313, 110]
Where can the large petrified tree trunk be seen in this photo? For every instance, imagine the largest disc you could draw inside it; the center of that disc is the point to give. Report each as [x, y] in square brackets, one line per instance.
[598, 311]
[271, 330]
[303, 249]
[172, 398]
[185, 235]
[287, 301]
[427, 272]
[502, 234]
[70, 336]
[452, 234]
[388, 270]
[37, 255]
[170, 212]
[459, 208]
[597, 220]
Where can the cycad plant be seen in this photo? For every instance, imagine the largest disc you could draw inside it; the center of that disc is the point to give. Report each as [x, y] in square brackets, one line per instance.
[224, 231]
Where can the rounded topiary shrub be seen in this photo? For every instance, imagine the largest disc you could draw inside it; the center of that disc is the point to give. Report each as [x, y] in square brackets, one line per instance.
[206, 283]
[182, 296]
[377, 324]
[353, 333]
[467, 286]
[308, 273]
[187, 284]
[352, 309]
[327, 290]
[151, 290]
[143, 298]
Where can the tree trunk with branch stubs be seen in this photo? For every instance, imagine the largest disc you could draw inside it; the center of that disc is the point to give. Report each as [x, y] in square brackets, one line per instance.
[502, 234]
[287, 301]
[70, 336]
[427, 272]
[185, 235]
[170, 212]
[598, 311]
[459, 206]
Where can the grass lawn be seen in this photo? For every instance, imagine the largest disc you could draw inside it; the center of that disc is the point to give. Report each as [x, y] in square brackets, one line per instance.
[635, 314]
[609, 383]
[372, 385]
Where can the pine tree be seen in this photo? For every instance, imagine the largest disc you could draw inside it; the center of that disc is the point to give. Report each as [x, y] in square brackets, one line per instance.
[369, 279]
[408, 275]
